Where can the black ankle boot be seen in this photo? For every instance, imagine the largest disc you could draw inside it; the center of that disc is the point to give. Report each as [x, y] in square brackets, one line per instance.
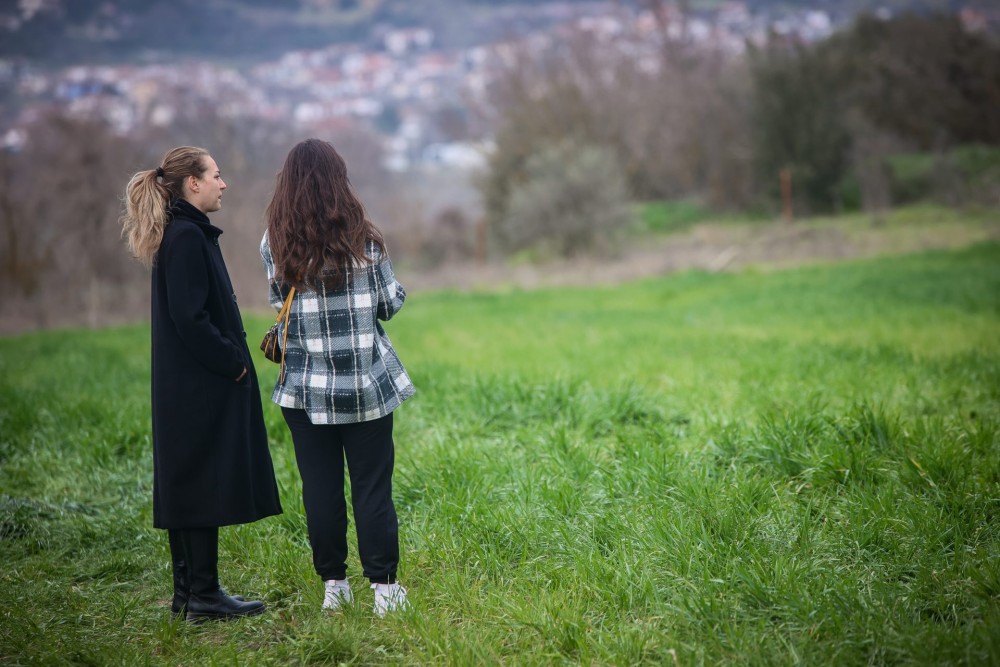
[206, 600]
[182, 587]
[179, 605]
[219, 606]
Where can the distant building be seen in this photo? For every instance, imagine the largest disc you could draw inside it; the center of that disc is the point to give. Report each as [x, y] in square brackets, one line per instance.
[401, 41]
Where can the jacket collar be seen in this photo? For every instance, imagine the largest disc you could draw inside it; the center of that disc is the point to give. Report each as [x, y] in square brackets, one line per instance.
[181, 208]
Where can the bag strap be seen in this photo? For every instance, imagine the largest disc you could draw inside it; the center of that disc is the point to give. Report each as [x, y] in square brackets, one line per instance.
[286, 310]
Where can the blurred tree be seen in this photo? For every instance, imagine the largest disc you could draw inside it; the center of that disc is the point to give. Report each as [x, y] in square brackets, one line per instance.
[678, 122]
[449, 237]
[573, 200]
[871, 149]
[914, 82]
[799, 122]
[923, 78]
[23, 258]
[388, 120]
[686, 123]
[451, 123]
[60, 204]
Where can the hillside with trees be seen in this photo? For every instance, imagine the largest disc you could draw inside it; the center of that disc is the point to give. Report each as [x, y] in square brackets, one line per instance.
[60, 32]
[885, 113]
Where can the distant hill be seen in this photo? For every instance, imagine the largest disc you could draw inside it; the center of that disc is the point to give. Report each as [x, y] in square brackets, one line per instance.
[61, 32]
[66, 31]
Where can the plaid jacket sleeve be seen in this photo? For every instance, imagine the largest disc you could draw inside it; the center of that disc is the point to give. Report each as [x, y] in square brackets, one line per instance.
[389, 292]
[275, 297]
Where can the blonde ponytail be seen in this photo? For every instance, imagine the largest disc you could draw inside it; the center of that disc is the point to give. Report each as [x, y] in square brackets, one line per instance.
[148, 196]
[145, 215]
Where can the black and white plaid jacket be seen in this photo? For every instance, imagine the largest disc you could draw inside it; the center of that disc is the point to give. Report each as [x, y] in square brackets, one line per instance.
[339, 364]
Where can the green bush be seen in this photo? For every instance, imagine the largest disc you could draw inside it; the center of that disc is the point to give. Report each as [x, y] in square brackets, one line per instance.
[573, 200]
[671, 216]
[980, 166]
[966, 175]
[912, 176]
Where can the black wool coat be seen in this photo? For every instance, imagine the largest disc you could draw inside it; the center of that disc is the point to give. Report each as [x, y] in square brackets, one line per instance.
[211, 463]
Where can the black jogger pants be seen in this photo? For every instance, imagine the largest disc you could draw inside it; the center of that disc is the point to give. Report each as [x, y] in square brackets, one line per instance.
[320, 450]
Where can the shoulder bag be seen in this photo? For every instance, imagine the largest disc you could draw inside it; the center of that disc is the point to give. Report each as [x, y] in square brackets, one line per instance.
[270, 345]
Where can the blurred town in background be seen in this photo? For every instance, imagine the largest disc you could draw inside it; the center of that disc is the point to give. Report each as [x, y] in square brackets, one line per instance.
[401, 82]
[445, 109]
[411, 85]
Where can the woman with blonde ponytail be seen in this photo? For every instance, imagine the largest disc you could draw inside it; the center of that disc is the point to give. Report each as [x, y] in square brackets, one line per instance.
[211, 464]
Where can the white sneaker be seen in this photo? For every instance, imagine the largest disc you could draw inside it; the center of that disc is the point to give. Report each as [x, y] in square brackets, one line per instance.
[389, 597]
[338, 593]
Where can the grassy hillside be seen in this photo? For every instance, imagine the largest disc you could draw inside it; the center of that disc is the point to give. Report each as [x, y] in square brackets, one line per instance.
[752, 468]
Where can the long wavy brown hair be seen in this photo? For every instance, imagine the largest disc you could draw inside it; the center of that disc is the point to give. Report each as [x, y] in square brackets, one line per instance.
[316, 225]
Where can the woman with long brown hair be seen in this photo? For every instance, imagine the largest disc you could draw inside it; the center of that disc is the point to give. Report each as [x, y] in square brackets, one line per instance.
[342, 378]
[211, 464]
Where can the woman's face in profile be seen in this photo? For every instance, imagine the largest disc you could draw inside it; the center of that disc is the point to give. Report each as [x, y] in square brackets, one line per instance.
[206, 191]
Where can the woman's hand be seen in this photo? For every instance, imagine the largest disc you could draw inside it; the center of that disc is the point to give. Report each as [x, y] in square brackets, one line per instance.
[243, 374]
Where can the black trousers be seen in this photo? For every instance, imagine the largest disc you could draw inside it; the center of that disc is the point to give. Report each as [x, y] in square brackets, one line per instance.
[320, 450]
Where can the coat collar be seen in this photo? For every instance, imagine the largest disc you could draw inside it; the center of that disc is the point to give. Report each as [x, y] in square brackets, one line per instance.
[181, 208]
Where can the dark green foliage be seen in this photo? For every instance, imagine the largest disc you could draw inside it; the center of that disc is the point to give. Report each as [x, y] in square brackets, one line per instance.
[841, 116]
[920, 82]
[671, 216]
[963, 175]
[923, 78]
[800, 123]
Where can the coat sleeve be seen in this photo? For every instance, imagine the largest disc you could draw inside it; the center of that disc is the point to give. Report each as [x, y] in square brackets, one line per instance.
[389, 292]
[274, 296]
[187, 281]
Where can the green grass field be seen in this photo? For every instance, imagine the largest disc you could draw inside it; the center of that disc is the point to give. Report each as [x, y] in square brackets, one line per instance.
[791, 467]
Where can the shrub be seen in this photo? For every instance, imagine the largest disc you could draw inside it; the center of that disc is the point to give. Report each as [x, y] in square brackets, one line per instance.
[572, 200]
[968, 174]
